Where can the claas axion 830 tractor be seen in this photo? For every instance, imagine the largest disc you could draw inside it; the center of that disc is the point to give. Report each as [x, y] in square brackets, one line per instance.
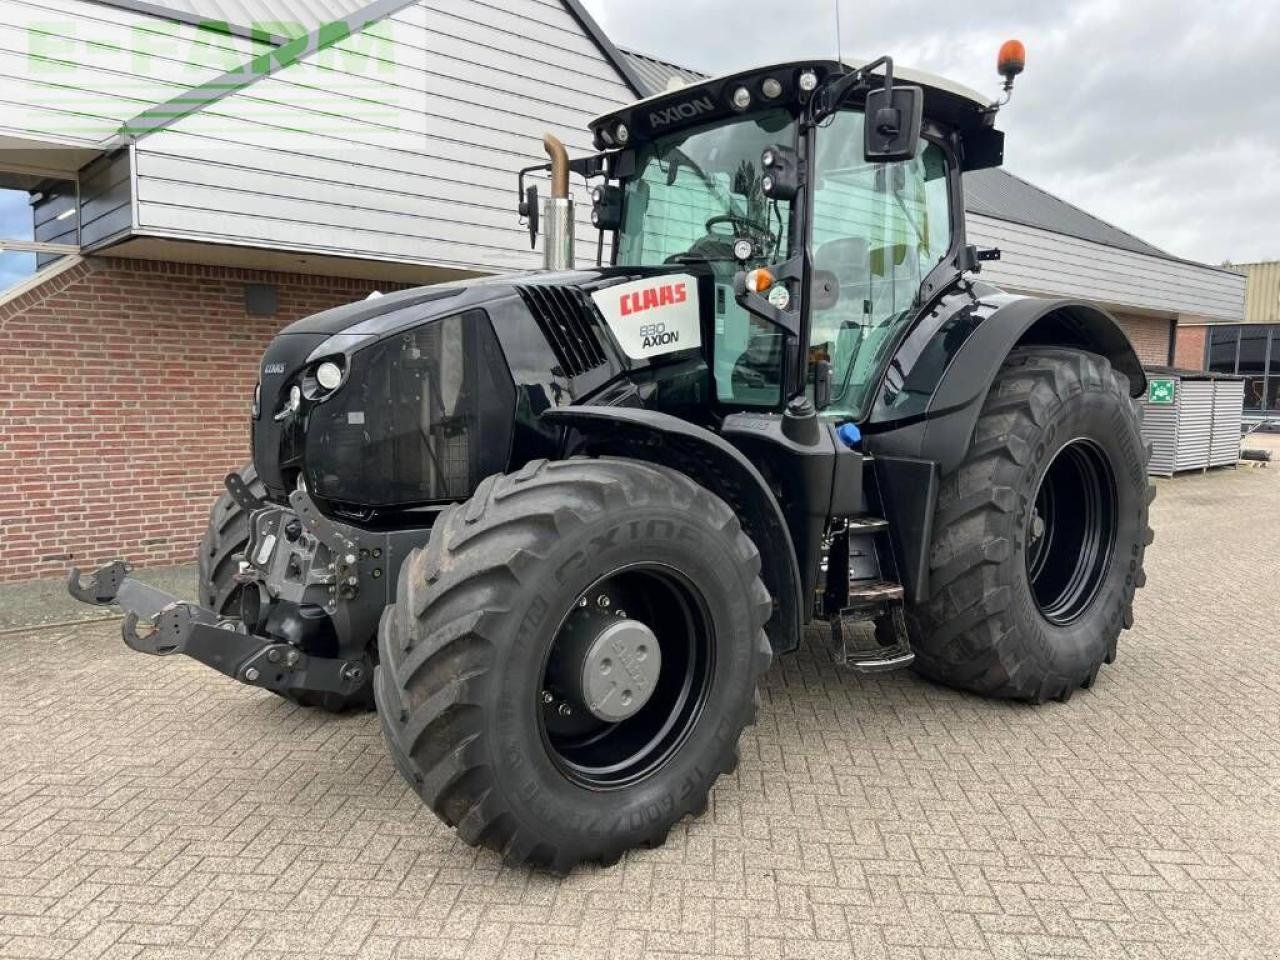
[556, 526]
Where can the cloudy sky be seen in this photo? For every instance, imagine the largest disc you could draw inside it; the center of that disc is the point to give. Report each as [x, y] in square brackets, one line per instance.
[1160, 116]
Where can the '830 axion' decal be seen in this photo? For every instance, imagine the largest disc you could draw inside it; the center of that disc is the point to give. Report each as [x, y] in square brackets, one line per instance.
[650, 318]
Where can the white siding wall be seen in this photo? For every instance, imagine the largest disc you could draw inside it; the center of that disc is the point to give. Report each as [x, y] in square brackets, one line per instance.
[1040, 261]
[73, 72]
[401, 143]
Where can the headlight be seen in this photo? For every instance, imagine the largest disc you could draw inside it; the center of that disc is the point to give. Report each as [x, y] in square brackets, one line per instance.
[329, 375]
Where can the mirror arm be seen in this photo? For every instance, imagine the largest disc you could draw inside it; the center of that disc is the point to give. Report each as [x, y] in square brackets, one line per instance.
[834, 95]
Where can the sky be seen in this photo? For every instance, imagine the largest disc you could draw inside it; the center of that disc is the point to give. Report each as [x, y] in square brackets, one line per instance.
[15, 224]
[1161, 117]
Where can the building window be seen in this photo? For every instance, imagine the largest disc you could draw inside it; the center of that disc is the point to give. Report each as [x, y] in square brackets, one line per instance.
[39, 225]
[1224, 342]
[1252, 352]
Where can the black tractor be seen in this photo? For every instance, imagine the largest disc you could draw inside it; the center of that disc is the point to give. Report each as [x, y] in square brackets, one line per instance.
[556, 526]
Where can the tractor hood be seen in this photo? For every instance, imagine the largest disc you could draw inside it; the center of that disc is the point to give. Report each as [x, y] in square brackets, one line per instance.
[347, 328]
[438, 384]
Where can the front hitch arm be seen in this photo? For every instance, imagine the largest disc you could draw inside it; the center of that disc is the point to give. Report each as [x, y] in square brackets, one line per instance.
[171, 626]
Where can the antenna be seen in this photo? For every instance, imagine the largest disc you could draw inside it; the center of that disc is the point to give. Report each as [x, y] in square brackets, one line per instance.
[839, 42]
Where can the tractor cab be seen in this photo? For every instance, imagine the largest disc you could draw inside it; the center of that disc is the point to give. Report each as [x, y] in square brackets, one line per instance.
[823, 198]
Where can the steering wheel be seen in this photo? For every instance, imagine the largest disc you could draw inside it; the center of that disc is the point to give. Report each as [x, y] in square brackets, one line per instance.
[718, 246]
[742, 227]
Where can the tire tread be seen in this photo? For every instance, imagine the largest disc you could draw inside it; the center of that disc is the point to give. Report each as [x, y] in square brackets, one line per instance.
[439, 643]
[959, 634]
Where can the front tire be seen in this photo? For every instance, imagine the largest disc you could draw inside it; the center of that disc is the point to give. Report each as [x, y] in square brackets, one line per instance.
[1040, 534]
[476, 684]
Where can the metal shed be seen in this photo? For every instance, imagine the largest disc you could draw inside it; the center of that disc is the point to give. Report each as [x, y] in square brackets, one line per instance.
[1192, 420]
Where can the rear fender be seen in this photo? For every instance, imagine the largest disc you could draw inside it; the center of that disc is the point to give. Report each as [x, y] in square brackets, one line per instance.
[715, 464]
[943, 433]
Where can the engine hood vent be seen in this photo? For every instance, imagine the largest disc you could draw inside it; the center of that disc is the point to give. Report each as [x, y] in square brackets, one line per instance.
[569, 321]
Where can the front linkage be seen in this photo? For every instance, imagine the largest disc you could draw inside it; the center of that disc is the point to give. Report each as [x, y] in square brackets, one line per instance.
[177, 626]
[296, 557]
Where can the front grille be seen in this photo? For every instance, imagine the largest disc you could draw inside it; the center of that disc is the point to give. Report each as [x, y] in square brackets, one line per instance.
[568, 320]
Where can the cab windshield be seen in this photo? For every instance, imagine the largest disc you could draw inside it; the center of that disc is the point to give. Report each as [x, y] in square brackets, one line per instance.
[696, 193]
[876, 231]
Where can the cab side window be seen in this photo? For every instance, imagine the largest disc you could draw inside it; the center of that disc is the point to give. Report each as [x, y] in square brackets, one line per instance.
[878, 229]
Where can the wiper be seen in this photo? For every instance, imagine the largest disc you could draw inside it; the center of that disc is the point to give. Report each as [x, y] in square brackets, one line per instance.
[920, 237]
[696, 258]
[679, 157]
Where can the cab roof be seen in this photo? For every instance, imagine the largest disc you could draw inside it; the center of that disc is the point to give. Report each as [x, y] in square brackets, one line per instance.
[947, 103]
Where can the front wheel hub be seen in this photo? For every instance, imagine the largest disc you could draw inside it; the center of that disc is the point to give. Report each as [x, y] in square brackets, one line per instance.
[619, 671]
[626, 675]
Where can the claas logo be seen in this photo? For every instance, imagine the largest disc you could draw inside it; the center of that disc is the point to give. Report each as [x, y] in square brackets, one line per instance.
[666, 295]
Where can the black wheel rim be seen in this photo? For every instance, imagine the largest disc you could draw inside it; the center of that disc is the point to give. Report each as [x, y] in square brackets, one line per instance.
[602, 755]
[1071, 532]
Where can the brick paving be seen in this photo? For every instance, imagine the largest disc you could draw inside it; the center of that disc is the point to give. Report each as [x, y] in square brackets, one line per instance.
[149, 809]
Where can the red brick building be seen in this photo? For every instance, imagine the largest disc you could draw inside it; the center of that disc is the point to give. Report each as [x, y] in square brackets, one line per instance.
[124, 391]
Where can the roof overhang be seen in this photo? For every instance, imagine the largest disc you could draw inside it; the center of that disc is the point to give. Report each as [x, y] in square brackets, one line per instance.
[26, 163]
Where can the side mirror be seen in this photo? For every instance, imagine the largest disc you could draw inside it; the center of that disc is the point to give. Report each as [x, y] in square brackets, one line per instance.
[894, 119]
[529, 210]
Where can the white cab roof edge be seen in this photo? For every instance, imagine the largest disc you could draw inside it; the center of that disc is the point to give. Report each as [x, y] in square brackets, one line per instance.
[907, 74]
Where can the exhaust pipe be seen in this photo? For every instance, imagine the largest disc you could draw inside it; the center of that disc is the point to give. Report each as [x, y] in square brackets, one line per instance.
[558, 219]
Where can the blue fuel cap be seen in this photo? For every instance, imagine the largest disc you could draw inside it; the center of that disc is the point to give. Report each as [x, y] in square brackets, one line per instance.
[849, 435]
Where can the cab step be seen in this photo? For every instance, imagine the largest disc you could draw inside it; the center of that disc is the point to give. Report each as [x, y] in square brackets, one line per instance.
[862, 591]
[862, 651]
[863, 525]
[870, 593]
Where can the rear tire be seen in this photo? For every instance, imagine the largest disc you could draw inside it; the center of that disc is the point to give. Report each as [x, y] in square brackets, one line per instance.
[224, 540]
[1040, 534]
[465, 681]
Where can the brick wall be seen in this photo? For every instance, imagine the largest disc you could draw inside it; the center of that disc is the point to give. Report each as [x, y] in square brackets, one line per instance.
[1190, 347]
[124, 399]
[1150, 339]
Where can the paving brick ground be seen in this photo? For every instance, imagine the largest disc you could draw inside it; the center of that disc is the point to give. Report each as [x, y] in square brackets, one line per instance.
[150, 810]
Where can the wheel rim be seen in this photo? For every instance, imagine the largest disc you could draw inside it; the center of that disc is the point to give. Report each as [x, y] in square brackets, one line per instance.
[601, 754]
[1071, 532]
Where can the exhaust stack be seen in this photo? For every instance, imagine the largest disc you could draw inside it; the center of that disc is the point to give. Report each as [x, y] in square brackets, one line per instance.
[558, 219]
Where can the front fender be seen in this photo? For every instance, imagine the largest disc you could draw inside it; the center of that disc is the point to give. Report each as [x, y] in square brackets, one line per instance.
[934, 391]
[717, 465]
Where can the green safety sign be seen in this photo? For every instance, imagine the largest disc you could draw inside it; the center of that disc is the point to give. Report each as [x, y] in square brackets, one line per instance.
[1160, 393]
